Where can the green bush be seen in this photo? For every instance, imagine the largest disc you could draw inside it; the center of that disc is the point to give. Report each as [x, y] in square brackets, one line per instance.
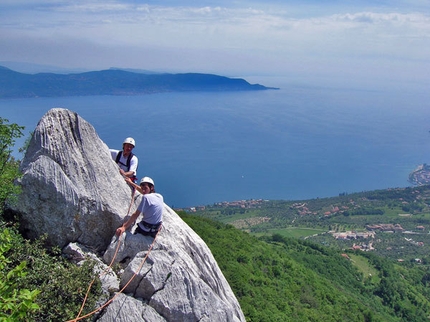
[16, 303]
[62, 284]
[8, 166]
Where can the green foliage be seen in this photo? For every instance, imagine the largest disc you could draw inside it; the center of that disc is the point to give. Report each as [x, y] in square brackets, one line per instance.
[8, 166]
[62, 284]
[276, 278]
[16, 303]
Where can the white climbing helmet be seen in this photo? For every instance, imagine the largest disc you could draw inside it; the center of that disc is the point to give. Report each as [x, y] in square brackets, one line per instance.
[147, 180]
[129, 141]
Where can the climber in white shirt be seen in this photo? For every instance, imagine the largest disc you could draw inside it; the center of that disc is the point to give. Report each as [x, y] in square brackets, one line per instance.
[125, 159]
[151, 207]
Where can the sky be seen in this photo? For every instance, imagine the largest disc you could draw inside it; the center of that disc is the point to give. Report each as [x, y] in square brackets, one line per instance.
[329, 40]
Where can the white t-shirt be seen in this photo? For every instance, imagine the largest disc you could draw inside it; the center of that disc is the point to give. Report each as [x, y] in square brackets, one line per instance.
[152, 206]
[123, 161]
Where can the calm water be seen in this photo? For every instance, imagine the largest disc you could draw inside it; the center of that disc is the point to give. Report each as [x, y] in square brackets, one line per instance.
[295, 143]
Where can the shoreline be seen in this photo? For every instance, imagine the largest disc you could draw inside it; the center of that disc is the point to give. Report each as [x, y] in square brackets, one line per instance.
[421, 175]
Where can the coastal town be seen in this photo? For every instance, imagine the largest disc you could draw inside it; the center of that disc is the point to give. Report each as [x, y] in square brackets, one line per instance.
[241, 204]
[372, 230]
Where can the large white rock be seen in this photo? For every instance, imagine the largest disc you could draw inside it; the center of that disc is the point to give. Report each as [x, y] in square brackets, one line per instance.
[72, 191]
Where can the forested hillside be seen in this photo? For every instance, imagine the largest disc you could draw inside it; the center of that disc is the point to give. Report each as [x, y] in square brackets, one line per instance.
[285, 279]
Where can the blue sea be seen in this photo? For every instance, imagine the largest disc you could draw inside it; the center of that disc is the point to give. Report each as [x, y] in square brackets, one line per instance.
[298, 142]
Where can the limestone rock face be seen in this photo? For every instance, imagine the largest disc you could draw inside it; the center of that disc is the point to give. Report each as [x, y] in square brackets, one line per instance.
[179, 278]
[68, 183]
[126, 309]
[72, 191]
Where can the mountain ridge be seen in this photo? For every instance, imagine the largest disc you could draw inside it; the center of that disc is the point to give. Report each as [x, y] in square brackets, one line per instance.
[114, 82]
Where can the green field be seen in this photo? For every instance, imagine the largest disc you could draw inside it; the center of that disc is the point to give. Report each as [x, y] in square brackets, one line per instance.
[363, 265]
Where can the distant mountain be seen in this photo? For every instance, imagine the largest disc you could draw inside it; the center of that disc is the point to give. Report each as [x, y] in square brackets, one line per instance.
[113, 82]
[31, 68]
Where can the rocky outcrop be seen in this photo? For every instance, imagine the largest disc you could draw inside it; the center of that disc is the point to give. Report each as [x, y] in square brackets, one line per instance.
[69, 182]
[72, 191]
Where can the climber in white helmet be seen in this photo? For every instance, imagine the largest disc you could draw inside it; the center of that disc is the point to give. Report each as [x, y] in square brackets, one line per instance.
[151, 207]
[125, 159]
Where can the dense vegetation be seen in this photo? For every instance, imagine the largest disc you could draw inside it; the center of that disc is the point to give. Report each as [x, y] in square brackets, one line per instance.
[389, 230]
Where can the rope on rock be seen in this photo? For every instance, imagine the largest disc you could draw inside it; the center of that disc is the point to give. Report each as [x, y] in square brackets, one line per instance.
[131, 202]
[123, 288]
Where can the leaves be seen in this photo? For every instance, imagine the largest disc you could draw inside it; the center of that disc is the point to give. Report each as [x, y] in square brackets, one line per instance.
[8, 166]
[16, 303]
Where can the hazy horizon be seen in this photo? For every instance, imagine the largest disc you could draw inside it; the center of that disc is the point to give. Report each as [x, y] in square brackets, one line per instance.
[367, 43]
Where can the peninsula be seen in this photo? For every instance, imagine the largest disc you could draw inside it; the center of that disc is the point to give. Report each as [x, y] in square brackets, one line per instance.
[114, 82]
[421, 175]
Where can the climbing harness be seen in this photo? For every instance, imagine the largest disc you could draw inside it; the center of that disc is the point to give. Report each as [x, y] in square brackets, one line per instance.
[118, 158]
[128, 163]
[151, 230]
